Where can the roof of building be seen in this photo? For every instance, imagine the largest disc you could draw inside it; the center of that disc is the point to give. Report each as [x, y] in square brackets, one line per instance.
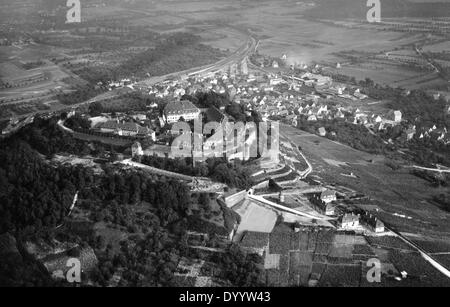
[372, 220]
[126, 126]
[379, 224]
[328, 193]
[349, 218]
[214, 114]
[180, 107]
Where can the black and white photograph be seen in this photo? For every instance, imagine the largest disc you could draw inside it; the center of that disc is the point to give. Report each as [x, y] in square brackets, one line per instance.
[225, 148]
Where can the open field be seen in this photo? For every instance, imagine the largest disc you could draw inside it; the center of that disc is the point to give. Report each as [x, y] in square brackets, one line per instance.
[392, 75]
[283, 29]
[438, 47]
[45, 77]
[296, 41]
[25, 91]
[254, 218]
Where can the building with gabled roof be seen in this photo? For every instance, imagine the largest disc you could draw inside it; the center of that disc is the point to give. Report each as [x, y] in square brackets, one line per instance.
[125, 129]
[350, 221]
[373, 222]
[395, 116]
[177, 109]
[328, 196]
[322, 131]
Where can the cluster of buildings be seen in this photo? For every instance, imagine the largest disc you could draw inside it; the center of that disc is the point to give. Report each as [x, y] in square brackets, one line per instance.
[123, 128]
[307, 96]
[354, 221]
[133, 125]
[119, 84]
[326, 203]
[271, 95]
[432, 133]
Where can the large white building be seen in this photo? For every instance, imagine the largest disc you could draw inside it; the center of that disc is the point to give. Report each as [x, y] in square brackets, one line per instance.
[175, 110]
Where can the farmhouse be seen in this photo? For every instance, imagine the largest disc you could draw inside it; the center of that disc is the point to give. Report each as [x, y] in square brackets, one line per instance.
[322, 131]
[175, 110]
[395, 116]
[410, 132]
[373, 222]
[328, 196]
[350, 221]
[359, 95]
[322, 202]
[322, 207]
[275, 81]
[312, 118]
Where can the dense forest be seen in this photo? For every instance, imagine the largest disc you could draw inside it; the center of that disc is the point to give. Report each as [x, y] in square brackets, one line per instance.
[236, 111]
[235, 175]
[422, 109]
[356, 136]
[79, 94]
[35, 197]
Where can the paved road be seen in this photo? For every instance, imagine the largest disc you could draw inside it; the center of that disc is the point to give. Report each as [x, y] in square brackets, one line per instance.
[425, 255]
[439, 170]
[240, 54]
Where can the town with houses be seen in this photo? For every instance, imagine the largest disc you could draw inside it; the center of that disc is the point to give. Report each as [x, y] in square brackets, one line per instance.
[286, 217]
[286, 97]
[252, 185]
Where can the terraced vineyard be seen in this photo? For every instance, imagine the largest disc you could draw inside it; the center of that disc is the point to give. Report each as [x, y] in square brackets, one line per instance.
[325, 257]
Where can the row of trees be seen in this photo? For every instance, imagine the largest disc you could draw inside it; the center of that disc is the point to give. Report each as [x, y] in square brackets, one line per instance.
[212, 99]
[356, 136]
[234, 174]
